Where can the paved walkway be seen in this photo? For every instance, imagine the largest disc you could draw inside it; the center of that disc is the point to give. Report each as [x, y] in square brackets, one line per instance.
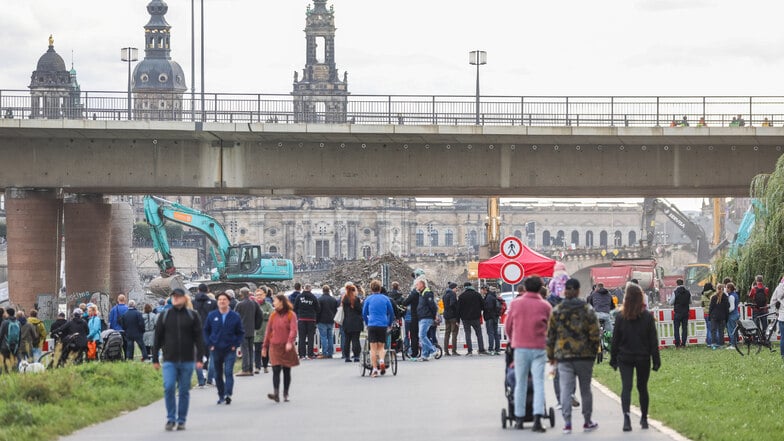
[449, 399]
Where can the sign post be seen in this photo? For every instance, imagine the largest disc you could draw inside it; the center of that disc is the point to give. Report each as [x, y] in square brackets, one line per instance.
[512, 272]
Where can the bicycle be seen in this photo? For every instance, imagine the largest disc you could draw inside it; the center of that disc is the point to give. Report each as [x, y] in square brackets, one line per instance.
[605, 338]
[437, 354]
[751, 333]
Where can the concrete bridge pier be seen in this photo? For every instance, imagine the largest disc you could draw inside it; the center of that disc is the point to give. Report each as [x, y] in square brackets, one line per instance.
[34, 222]
[123, 274]
[87, 225]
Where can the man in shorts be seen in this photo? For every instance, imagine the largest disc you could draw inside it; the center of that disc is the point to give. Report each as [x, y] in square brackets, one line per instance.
[378, 314]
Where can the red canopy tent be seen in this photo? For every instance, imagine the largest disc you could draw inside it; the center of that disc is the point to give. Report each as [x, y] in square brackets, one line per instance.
[533, 263]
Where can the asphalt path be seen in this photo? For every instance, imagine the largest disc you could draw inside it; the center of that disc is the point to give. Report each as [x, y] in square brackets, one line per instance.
[455, 398]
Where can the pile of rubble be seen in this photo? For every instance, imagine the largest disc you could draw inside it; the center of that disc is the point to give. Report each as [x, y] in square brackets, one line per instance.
[364, 271]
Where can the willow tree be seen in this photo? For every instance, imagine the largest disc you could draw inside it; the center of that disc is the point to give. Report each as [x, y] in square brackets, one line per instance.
[763, 253]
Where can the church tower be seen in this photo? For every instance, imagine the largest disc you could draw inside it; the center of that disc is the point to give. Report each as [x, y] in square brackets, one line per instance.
[320, 96]
[158, 83]
[53, 89]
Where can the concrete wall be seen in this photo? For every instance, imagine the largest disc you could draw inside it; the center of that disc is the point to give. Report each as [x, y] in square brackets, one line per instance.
[322, 159]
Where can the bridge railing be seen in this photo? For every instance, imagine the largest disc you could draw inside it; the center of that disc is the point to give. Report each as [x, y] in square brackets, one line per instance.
[588, 111]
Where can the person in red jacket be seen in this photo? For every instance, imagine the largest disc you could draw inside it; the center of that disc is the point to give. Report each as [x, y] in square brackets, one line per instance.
[279, 345]
[759, 295]
[526, 326]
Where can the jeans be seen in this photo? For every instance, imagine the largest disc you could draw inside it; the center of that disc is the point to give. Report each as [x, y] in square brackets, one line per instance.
[681, 324]
[247, 354]
[529, 360]
[450, 335]
[129, 342]
[223, 360]
[717, 327]
[781, 343]
[427, 345]
[467, 326]
[177, 375]
[325, 334]
[732, 324]
[643, 367]
[307, 332]
[708, 331]
[568, 372]
[493, 335]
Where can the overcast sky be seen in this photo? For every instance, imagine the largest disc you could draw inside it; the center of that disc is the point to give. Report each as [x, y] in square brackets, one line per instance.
[566, 47]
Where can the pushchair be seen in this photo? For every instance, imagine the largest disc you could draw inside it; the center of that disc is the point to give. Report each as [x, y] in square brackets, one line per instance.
[390, 356]
[508, 414]
[396, 338]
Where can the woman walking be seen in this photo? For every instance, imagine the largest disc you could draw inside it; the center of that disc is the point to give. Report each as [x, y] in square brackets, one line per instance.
[732, 319]
[279, 345]
[94, 338]
[150, 318]
[352, 323]
[634, 345]
[719, 311]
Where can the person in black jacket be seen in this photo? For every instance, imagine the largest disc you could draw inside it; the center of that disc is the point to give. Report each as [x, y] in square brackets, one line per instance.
[132, 323]
[307, 308]
[681, 301]
[353, 324]
[491, 315]
[179, 334]
[73, 335]
[204, 304]
[54, 329]
[427, 310]
[719, 313]
[412, 301]
[469, 310]
[450, 319]
[251, 316]
[397, 299]
[634, 345]
[328, 307]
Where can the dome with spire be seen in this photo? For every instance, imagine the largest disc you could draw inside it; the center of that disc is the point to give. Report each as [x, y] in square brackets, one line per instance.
[157, 71]
[51, 70]
[51, 61]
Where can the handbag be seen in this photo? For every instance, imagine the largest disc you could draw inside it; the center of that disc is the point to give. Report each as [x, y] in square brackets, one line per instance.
[290, 358]
[339, 315]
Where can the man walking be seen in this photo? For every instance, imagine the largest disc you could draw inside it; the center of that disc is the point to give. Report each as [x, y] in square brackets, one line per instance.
[133, 324]
[572, 340]
[426, 311]
[328, 307]
[179, 334]
[117, 311]
[307, 308]
[526, 326]
[758, 296]
[251, 317]
[450, 319]
[223, 333]
[681, 301]
[203, 304]
[412, 325]
[469, 310]
[491, 315]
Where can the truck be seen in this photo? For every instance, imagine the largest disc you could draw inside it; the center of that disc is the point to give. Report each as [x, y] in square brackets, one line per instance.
[236, 266]
[621, 271]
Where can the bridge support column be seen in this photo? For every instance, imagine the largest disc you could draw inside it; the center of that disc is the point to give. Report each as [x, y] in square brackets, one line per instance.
[34, 220]
[87, 221]
[123, 274]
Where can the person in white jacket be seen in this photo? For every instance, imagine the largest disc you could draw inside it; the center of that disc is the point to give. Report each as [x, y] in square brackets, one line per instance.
[776, 301]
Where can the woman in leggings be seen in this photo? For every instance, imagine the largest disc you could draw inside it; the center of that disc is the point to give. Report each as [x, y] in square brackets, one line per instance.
[279, 345]
[634, 345]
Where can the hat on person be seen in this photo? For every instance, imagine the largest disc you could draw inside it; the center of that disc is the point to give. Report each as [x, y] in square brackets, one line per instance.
[178, 292]
[452, 285]
[77, 312]
[203, 287]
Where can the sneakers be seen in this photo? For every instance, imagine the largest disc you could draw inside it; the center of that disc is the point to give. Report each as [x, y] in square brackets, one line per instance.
[228, 399]
[382, 368]
[730, 348]
[347, 360]
[558, 407]
[567, 429]
[257, 371]
[169, 426]
[266, 370]
[484, 353]
[456, 354]
[181, 426]
[221, 401]
[374, 374]
[591, 426]
[575, 403]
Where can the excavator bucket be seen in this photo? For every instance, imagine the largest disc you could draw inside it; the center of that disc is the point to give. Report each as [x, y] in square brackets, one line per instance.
[163, 286]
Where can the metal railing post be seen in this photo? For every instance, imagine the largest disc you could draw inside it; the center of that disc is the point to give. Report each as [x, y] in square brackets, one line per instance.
[657, 111]
[215, 100]
[389, 109]
[703, 107]
[258, 108]
[567, 112]
[435, 119]
[751, 113]
[522, 110]
[612, 111]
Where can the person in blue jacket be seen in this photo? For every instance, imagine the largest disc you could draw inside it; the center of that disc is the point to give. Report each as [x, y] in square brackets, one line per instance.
[378, 315]
[223, 333]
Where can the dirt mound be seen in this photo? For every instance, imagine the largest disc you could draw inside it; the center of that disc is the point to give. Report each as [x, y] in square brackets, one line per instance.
[363, 271]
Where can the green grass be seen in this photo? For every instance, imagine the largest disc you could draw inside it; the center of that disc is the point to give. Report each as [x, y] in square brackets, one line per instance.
[57, 402]
[713, 395]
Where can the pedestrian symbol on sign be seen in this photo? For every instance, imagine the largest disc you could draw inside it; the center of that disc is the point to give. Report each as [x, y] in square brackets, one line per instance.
[511, 247]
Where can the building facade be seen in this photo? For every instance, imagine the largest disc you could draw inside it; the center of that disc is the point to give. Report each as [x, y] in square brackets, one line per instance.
[158, 82]
[320, 95]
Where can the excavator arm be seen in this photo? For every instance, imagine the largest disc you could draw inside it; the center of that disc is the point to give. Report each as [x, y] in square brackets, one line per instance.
[691, 229]
[158, 211]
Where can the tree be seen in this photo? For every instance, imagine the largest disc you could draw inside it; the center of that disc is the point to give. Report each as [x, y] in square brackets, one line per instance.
[762, 253]
[141, 231]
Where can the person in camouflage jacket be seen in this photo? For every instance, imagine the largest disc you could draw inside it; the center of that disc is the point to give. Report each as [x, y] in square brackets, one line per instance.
[572, 343]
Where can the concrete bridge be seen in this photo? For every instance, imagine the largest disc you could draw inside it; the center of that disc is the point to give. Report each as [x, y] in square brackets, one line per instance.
[124, 157]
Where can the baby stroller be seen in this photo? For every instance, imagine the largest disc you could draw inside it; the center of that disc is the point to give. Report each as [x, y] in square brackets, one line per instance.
[113, 345]
[508, 414]
[396, 338]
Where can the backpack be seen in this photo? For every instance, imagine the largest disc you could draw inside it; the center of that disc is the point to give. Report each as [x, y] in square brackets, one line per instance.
[113, 347]
[35, 334]
[760, 300]
[13, 336]
[500, 306]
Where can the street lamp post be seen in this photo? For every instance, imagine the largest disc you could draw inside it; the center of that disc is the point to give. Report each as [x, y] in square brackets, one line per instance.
[477, 58]
[129, 55]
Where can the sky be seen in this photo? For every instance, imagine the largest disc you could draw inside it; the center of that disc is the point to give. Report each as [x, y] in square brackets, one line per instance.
[544, 48]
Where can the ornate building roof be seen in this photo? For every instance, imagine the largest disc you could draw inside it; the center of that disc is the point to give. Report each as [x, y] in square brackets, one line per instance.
[157, 72]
